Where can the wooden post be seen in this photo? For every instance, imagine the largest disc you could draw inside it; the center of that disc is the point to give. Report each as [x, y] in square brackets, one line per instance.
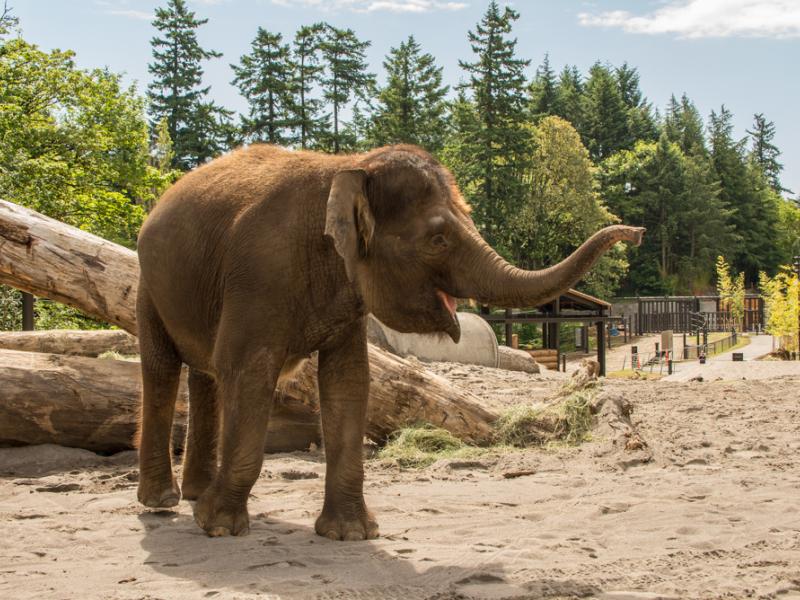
[509, 327]
[27, 311]
[601, 347]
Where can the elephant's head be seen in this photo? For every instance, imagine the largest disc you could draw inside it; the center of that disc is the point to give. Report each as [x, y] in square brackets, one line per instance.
[411, 248]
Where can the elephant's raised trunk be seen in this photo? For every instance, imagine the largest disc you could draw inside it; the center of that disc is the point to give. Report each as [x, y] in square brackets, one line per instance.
[486, 277]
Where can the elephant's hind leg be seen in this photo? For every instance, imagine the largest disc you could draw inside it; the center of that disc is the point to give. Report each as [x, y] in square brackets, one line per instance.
[161, 368]
[200, 450]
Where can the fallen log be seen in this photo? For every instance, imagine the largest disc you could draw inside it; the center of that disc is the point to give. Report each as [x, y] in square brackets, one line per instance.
[94, 404]
[70, 342]
[47, 258]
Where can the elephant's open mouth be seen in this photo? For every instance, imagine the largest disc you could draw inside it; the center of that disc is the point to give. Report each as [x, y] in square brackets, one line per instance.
[453, 328]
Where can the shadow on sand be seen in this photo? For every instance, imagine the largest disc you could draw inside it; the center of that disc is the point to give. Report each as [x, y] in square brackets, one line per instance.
[283, 560]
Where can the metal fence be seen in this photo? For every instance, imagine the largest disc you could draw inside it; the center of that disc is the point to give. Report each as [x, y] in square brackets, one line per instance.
[709, 348]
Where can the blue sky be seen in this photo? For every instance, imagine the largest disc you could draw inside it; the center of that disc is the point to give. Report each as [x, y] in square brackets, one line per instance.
[744, 53]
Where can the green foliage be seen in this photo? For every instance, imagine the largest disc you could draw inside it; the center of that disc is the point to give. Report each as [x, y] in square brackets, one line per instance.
[198, 128]
[74, 143]
[731, 291]
[543, 91]
[345, 77]
[10, 309]
[782, 306]
[74, 146]
[745, 192]
[307, 72]
[264, 78]
[411, 107]
[562, 208]
[605, 117]
[684, 126]
[657, 186]
[765, 153]
[787, 239]
[490, 140]
[568, 103]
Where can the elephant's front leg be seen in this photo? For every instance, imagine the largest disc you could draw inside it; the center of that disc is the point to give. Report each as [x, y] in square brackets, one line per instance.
[344, 389]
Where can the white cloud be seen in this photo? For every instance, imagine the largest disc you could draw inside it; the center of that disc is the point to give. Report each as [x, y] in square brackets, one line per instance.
[707, 18]
[396, 6]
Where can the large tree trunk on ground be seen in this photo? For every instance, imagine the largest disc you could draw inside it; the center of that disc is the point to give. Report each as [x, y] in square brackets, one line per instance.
[94, 404]
[70, 342]
[51, 259]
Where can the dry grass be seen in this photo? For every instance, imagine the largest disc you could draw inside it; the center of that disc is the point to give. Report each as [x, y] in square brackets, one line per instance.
[568, 422]
[422, 445]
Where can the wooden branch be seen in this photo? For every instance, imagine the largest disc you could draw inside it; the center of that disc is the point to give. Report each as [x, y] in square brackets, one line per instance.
[51, 259]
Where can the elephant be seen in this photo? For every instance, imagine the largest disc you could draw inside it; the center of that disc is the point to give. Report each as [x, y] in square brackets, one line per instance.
[257, 259]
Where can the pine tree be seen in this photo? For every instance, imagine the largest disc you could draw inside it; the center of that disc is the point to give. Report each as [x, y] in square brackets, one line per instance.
[746, 193]
[411, 106]
[307, 72]
[568, 103]
[657, 186]
[264, 79]
[543, 90]
[605, 128]
[684, 126]
[345, 76]
[641, 123]
[765, 153]
[499, 143]
[175, 93]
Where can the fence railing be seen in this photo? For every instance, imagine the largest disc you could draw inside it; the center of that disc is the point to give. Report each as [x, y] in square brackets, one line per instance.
[661, 362]
[710, 348]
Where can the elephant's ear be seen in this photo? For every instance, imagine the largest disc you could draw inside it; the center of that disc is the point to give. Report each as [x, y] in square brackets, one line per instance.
[349, 221]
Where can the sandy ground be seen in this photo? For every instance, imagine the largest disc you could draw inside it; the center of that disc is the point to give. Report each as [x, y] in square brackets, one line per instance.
[708, 508]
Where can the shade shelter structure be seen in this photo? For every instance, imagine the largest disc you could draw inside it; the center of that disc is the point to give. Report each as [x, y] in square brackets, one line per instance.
[570, 307]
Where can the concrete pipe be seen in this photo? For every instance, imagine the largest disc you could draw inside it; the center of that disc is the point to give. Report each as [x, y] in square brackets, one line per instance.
[478, 345]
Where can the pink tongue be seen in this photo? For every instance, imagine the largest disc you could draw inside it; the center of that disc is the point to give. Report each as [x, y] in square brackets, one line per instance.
[448, 301]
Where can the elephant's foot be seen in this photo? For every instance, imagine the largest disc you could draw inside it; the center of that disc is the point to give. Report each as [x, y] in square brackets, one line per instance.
[158, 493]
[347, 525]
[193, 485]
[218, 518]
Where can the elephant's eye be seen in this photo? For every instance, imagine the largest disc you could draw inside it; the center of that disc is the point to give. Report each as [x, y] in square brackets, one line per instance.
[439, 241]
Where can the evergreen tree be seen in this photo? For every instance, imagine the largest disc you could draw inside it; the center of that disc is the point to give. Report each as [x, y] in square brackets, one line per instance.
[657, 186]
[543, 90]
[175, 93]
[746, 193]
[345, 75]
[605, 117]
[411, 106]
[684, 126]
[264, 79]
[765, 153]
[495, 147]
[307, 73]
[641, 123]
[568, 103]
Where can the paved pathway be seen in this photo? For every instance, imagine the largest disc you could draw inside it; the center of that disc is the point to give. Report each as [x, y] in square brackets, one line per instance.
[722, 365]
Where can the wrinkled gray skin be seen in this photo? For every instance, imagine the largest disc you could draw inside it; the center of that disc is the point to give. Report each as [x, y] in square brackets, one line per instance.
[257, 259]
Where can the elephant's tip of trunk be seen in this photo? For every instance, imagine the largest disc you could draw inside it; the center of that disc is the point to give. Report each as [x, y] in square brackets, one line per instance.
[634, 235]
